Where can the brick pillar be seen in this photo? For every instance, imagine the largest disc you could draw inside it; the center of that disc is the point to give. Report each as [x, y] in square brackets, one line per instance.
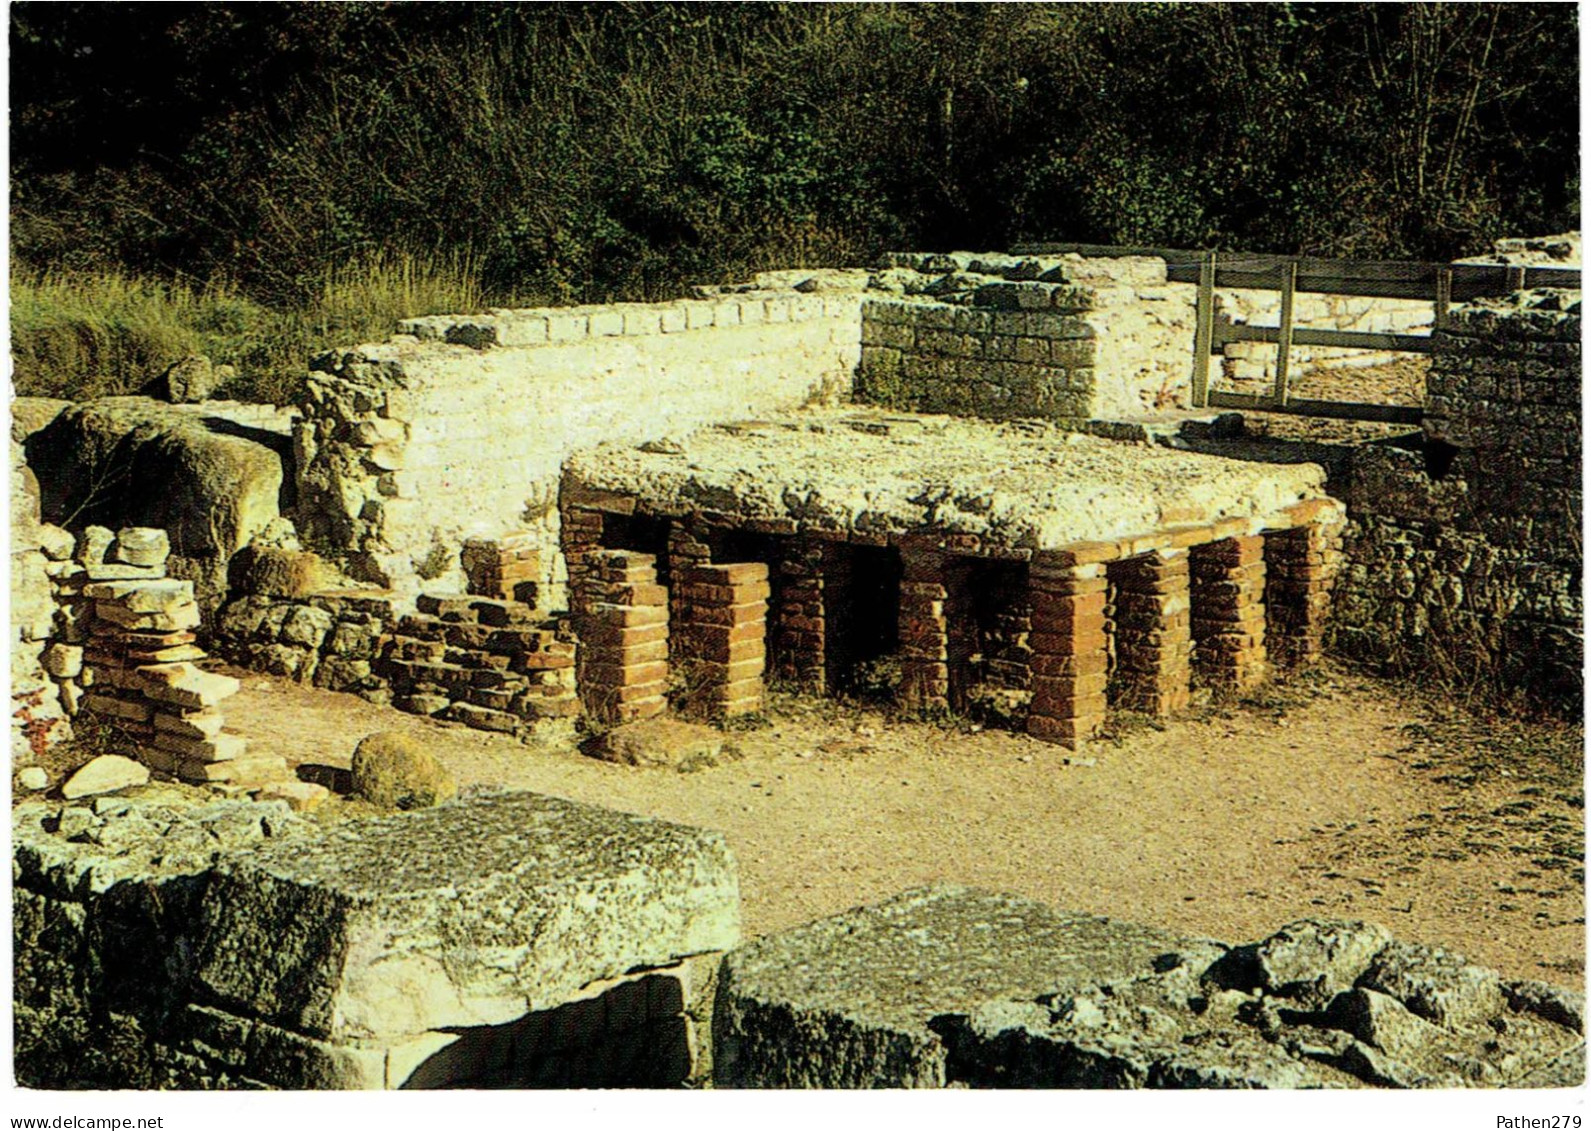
[924, 643]
[686, 550]
[799, 621]
[1228, 591]
[1069, 651]
[507, 567]
[579, 536]
[1154, 643]
[624, 636]
[1300, 566]
[721, 634]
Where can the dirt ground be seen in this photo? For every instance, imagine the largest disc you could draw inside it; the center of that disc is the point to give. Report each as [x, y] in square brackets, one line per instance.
[1337, 795]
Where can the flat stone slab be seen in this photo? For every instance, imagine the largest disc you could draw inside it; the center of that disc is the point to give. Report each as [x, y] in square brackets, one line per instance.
[955, 986]
[471, 913]
[1024, 485]
[848, 1002]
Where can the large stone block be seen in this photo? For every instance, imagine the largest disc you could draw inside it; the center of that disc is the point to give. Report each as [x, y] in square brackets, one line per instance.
[132, 462]
[848, 1002]
[469, 914]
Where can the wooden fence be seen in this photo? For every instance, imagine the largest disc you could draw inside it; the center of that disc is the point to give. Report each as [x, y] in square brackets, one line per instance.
[1440, 284]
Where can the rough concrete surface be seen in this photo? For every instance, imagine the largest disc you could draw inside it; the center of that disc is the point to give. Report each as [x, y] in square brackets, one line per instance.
[1023, 485]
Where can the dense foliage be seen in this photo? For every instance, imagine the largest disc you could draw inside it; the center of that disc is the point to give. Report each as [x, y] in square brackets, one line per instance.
[595, 151]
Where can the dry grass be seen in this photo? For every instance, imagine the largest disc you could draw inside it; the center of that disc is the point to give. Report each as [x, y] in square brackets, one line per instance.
[80, 335]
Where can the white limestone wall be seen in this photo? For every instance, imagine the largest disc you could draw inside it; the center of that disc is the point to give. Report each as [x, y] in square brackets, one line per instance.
[458, 427]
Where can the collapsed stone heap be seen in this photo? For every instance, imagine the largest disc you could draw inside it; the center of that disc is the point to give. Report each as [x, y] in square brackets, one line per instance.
[489, 663]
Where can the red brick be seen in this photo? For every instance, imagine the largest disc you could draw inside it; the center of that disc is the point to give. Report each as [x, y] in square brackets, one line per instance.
[627, 675]
[1061, 691]
[1081, 640]
[634, 654]
[732, 574]
[639, 593]
[607, 634]
[1065, 732]
[698, 594]
[753, 612]
[630, 616]
[1087, 663]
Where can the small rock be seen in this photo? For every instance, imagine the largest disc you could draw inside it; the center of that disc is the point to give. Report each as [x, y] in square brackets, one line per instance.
[658, 742]
[105, 774]
[1313, 960]
[395, 771]
[189, 381]
[92, 545]
[56, 543]
[301, 796]
[33, 778]
[1436, 985]
[63, 661]
[141, 546]
[74, 822]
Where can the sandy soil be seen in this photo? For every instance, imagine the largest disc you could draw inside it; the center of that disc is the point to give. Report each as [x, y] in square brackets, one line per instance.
[1336, 796]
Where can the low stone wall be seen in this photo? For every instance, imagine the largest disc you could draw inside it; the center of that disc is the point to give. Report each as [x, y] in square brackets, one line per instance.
[327, 639]
[1465, 557]
[501, 940]
[458, 428]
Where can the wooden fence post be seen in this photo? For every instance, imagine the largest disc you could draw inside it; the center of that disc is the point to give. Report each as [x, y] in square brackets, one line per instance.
[1284, 332]
[1204, 330]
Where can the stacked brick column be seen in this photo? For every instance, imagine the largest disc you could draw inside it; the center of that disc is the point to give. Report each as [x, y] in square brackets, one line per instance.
[1228, 591]
[721, 636]
[579, 536]
[1069, 645]
[623, 629]
[1154, 642]
[686, 549]
[799, 621]
[506, 568]
[1300, 566]
[924, 630]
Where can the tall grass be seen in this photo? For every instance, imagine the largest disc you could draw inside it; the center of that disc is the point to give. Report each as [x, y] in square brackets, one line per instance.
[82, 334]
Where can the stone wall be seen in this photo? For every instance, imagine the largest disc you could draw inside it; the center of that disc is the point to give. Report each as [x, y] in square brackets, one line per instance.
[1465, 557]
[38, 714]
[500, 940]
[458, 427]
[1063, 339]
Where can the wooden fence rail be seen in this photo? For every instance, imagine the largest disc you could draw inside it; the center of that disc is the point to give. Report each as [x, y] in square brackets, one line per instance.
[1440, 284]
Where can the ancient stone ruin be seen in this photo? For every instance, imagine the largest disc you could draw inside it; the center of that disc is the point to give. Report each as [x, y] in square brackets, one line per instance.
[972, 483]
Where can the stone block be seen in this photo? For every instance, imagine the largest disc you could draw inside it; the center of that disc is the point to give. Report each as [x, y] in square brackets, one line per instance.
[853, 1001]
[468, 914]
